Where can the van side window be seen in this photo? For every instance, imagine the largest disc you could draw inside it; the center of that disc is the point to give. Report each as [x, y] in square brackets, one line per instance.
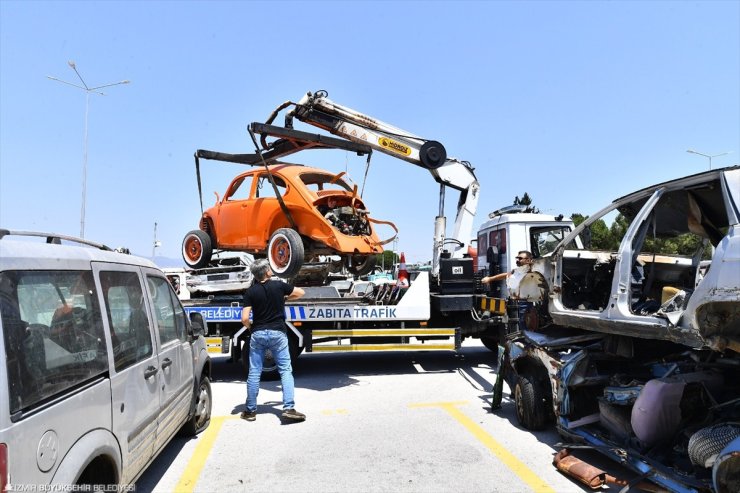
[167, 310]
[130, 331]
[54, 335]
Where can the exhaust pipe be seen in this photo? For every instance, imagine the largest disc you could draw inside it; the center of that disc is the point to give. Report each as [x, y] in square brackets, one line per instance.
[593, 477]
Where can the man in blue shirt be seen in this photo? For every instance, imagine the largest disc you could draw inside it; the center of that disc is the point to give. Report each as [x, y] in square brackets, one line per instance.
[265, 300]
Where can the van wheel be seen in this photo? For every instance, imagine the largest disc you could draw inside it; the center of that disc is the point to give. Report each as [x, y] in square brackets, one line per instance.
[533, 401]
[359, 265]
[269, 366]
[202, 413]
[197, 249]
[285, 252]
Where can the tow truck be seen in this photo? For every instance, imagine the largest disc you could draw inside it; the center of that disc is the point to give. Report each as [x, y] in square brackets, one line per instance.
[439, 308]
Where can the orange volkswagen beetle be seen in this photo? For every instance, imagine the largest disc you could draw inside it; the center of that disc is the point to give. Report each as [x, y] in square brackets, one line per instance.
[289, 213]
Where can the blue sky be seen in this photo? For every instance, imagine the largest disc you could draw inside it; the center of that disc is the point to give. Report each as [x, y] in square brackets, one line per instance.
[576, 103]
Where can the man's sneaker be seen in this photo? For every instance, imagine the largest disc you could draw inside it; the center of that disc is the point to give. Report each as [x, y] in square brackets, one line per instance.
[249, 416]
[294, 415]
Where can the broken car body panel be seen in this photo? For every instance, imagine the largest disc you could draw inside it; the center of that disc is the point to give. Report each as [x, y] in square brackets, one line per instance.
[639, 291]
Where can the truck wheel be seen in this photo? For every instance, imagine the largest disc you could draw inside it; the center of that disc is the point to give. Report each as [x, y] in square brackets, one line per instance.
[269, 367]
[202, 415]
[197, 249]
[285, 252]
[359, 265]
[491, 343]
[533, 401]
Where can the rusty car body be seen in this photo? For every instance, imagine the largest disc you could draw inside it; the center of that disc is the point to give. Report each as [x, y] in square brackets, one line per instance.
[288, 213]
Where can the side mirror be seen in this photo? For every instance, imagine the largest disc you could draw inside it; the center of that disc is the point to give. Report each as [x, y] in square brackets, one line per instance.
[198, 324]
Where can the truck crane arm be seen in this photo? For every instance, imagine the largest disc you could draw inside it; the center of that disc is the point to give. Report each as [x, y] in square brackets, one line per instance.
[318, 110]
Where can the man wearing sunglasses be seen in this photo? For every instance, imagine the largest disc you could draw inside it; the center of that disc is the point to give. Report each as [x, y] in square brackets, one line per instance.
[523, 261]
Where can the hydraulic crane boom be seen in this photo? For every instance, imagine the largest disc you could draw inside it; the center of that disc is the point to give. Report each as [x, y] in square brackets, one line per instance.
[318, 110]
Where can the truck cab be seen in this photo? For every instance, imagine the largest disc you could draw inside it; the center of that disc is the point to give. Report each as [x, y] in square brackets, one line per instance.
[510, 230]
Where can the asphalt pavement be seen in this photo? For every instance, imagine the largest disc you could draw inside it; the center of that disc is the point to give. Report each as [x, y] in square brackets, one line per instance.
[376, 422]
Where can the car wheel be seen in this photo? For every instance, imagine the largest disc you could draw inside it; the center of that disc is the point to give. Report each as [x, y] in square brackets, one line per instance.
[285, 252]
[359, 265]
[533, 401]
[202, 413]
[197, 249]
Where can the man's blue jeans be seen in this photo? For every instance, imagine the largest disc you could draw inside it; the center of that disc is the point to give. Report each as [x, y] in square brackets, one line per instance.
[277, 342]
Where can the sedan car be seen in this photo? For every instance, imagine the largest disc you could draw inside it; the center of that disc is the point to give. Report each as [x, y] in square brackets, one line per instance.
[289, 213]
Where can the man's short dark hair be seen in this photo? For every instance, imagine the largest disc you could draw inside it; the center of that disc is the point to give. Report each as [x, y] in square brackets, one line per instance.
[527, 252]
[259, 269]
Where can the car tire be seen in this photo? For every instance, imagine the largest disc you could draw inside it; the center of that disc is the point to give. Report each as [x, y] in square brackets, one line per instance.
[203, 400]
[359, 265]
[285, 252]
[197, 249]
[533, 401]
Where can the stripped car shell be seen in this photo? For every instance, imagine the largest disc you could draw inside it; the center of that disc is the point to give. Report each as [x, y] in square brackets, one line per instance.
[636, 352]
[693, 302]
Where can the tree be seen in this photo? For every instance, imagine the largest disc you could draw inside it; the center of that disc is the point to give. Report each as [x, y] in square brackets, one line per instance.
[526, 200]
[387, 259]
[618, 229]
[578, 218]
[598, 235]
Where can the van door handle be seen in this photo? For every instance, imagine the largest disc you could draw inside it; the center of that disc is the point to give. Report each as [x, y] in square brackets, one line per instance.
[150, 372]
[167, 362]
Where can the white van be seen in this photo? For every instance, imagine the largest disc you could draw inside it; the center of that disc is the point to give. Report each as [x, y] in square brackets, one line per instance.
[100, 365]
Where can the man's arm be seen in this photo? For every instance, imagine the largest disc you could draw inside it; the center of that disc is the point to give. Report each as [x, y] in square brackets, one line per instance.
[497, 277]
[245, 316]
[297, 293]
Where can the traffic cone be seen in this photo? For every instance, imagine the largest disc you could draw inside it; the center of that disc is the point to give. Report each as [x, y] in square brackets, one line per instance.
[403, 274]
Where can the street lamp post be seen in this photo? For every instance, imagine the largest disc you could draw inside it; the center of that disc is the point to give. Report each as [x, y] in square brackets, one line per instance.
[156, 243]
[87, 90]
[707, 155]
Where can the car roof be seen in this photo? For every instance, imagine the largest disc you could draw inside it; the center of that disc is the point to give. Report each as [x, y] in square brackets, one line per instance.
[680, 183]
[706, 189]
[290, 170]
[16, 253]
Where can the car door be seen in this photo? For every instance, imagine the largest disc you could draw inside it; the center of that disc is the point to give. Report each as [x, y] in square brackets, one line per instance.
[175, 357]
[264, 207]
[231, 225]
[135, 368]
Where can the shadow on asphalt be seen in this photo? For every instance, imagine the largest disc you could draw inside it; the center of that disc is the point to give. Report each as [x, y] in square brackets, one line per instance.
[311, 370]
[327, 371]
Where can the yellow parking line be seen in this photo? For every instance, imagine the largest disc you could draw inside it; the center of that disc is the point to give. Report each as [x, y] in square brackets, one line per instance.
[514, 464]
[200, 454]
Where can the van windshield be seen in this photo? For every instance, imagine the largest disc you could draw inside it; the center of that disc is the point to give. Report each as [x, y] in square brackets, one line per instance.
[53, 334]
